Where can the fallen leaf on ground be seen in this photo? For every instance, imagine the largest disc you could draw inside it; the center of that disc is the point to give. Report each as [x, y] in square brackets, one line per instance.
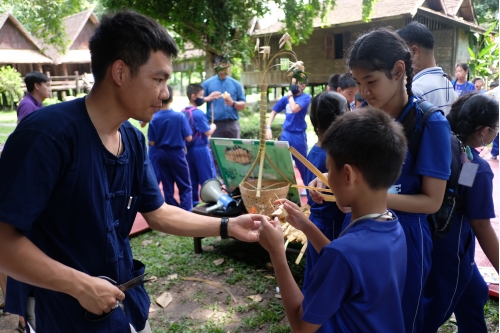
[147, 242]
[277, 296]
[229, 271]
[218, 262]
[152, 308]
[158, 243]
[255, 298]
[172, 277]
[164, 300]
[269, 277]
[207, 248]
[153, 278]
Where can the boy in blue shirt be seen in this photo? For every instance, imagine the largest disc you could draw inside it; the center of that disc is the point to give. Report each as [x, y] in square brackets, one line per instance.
[347, 88]
[295, 104]
[199, 156]
[168, 133]
[358, 281]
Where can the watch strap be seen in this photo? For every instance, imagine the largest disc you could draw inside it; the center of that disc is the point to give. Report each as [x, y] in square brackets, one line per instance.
[223, 227]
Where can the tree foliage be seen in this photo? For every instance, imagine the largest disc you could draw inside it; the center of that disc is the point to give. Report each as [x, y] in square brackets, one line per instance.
[10, 84]
[44, 18]
[484, 62]
[486, 11]
[211, 24]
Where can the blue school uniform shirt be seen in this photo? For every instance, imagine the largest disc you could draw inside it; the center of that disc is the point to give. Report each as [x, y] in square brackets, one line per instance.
[221, 110]
[78, 201]
[199, 125]
[477, 201]
[327, 211]
[434, 154]
[462, 89]
[294, 122]
[358, 281]
[169, 129]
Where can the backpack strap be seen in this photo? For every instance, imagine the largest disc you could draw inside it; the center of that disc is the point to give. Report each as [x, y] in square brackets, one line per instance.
[427, 109]
[188, 112]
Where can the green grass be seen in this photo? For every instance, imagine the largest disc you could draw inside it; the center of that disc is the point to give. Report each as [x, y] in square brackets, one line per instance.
[8, 121]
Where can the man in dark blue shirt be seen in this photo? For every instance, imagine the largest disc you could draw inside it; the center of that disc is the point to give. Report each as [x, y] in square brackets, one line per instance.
[74, 187]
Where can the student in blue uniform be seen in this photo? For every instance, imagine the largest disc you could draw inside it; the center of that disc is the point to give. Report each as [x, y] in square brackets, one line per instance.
[168, 133]
[381, 64]
[461, 83]
[358, 280]
[455, 284]
[76, 184]
[295, 104]
[325, 108]
[347, 88]
[199, 156]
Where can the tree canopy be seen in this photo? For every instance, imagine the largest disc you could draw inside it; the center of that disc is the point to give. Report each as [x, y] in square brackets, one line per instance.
[486, 11]
[44, 19]
[211, 24]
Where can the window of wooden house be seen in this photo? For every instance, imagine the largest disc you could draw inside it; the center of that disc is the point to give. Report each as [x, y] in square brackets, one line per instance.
[334, 46]
[329, 47]
[284, 64]
[339, 46]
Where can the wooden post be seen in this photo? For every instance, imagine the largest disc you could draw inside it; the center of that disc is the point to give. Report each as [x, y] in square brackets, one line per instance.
[40, 69]
[77, 79]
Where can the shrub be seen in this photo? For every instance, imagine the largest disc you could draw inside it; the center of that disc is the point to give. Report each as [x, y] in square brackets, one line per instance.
[250, 126]
[10, 86]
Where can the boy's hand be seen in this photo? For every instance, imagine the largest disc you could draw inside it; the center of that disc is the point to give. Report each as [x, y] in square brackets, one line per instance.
[296, 216]
[213, 127]
[271, 236]
[315, 195]
[229, 101]
[212, 96]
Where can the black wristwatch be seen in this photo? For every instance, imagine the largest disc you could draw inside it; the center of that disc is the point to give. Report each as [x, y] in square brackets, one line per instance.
[234, 103]
[223, 227]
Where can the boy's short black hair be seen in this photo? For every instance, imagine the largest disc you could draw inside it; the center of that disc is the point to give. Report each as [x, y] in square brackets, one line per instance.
[170, 96]
[359, 98]
[418, 34]
[346, 81]
[333, 81]
[493, 84]
[34, 77]
[476, 79]
[129, 37]
[193, 89]
[371, 141]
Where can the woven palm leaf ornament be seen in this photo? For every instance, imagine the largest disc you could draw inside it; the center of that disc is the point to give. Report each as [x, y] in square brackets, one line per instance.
[264, 61]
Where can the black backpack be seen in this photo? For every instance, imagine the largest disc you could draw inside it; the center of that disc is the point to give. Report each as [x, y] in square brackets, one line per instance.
[440, 222]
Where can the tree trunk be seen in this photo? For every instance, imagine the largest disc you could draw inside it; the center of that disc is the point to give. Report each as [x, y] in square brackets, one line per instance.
[209, 64]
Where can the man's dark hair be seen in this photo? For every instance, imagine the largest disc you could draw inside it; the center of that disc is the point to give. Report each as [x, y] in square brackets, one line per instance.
[170, 96]
[346, 81]
[371, 141]
[220, 59]
[129, 37]
[418, 34]
[359, 98]
[193, 89]
[470, 112]
[34, 77]
[493, 84]
[333, 82]
[325, 108]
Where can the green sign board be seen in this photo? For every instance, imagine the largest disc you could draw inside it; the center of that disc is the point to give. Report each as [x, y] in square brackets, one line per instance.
[235, 158]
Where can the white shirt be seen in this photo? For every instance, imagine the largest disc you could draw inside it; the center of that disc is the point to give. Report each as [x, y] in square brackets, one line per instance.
[432, 85]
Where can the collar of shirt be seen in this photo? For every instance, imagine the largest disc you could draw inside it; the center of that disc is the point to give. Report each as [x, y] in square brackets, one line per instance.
[34, 100]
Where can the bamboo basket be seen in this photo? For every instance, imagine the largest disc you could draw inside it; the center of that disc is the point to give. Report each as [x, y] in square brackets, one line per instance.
[271, 189]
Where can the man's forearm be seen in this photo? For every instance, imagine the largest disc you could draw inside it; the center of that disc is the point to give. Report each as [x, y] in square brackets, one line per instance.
[239, 106]
[22, 260]
[176, 221]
